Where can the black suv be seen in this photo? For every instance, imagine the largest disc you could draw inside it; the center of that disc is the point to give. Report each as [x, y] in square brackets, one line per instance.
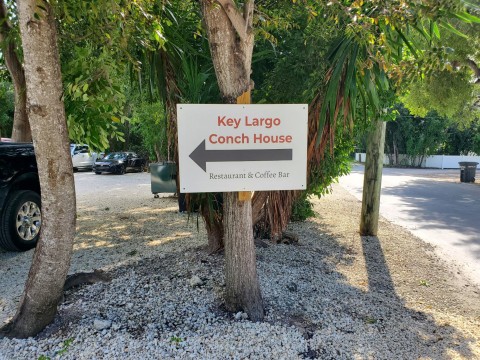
[20, 214]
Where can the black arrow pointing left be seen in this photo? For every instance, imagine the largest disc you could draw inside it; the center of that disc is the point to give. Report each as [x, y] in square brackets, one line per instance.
[201, 155]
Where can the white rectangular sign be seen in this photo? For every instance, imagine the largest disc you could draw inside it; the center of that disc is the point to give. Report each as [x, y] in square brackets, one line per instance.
[224, 148]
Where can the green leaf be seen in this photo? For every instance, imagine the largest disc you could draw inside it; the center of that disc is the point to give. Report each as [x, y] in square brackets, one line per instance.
[371, 90]
[350, 74]
[422, 32]
[364, 101]
[450, 28]
[407, 42]
[466, 17]
[436, 30]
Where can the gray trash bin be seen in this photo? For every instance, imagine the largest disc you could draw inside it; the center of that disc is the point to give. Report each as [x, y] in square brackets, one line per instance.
[467, 171]
[163, 177]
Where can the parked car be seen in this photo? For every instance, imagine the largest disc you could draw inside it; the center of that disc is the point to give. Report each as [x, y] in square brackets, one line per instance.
[119, 163]
[20, 207]
[82, 157]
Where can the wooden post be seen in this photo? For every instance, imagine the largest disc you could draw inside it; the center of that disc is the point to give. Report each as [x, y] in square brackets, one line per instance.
[372, 180]
[245, 98]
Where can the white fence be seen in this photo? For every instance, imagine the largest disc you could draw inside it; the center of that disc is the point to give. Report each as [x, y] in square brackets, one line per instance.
[434, 161]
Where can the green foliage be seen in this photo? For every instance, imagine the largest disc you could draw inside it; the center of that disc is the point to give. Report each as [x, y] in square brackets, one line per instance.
[287, 59]
[398, 41]
[462, 140]
[433, 134]
[65, 345]
[302, 208]
[424, 283]
[293, 70]
[7, 107]
[450, 94]
[94, 96]
[416, 137]
[149, 123]
[333, 165]
[111, 41]
[176, 340]
[426, 136]
[196, 82]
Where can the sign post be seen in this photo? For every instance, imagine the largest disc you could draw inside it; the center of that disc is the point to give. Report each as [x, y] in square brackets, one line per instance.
[242, 147]
[245, 98]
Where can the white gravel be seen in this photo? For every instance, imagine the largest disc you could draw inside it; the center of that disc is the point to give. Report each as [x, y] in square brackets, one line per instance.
[332, 296]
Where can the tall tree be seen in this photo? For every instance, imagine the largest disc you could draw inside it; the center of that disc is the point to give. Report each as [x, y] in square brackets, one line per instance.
[44, 288]
[21, 127]
[379, 46]
[231, 41]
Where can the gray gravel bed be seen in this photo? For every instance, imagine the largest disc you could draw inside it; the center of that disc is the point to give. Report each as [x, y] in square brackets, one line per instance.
[323, 298]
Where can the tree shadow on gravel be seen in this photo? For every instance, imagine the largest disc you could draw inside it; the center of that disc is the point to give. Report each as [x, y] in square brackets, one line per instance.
[341, 321]
[106, 237]
[313, 310]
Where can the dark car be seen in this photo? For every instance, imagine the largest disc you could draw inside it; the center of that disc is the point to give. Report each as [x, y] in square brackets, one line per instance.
[119, 163]
[20, 207]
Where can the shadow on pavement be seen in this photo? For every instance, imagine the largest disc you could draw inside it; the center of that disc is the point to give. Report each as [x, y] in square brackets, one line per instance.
[442, 206]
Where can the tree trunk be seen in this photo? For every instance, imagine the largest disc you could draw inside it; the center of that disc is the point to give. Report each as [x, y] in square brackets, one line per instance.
[395, 152]
[258, 204]
[231, 51]
[171, 95]
[230, 37]
[212, 215]
[21, 128]
[372, 180]
[46, 112]
[157, 152]
[241, 280]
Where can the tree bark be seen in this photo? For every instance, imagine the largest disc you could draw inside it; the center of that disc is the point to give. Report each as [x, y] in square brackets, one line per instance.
[372, 180]
[258, 206]
[46, 112]
[21, 128]
[157, 152]
[242, 290]
[213, 217]
[231, 52]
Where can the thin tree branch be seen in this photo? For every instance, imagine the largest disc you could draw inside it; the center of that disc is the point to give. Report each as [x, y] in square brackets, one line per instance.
[235, 17]
[248, 13]
[12, 61]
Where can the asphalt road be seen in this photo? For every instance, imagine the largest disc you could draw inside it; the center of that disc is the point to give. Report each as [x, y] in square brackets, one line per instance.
[434, 206]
